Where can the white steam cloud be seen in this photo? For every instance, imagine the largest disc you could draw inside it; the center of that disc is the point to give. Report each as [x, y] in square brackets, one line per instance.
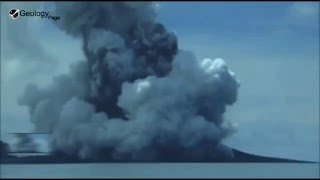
[136, 97]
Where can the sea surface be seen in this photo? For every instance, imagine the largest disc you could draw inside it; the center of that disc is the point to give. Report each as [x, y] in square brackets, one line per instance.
[162, 170]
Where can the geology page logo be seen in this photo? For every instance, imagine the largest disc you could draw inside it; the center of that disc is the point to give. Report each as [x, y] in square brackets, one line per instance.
[14, 13]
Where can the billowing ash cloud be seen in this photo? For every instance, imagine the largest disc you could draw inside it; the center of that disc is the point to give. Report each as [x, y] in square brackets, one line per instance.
[136, 96]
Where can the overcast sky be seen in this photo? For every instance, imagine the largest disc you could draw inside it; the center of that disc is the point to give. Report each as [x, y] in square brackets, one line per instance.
[272, 47]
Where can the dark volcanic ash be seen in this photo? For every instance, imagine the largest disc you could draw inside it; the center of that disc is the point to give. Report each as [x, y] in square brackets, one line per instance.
[136, 96]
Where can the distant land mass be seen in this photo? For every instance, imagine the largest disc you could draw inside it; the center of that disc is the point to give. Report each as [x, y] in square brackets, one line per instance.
[60, 158]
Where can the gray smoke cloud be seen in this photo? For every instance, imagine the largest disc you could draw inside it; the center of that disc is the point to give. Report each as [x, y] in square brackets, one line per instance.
[136, 96]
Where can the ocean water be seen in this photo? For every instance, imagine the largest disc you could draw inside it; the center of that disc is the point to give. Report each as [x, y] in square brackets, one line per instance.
[163, 170]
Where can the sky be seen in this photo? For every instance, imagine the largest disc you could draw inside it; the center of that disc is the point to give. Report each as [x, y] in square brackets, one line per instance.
[273, 47]
[37, 142]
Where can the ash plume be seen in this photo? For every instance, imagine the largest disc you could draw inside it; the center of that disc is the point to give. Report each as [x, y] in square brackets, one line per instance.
[136, 96]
